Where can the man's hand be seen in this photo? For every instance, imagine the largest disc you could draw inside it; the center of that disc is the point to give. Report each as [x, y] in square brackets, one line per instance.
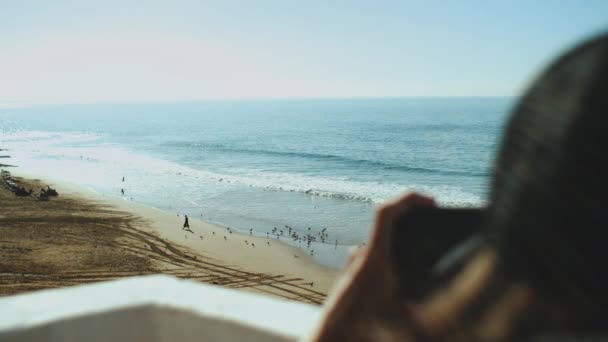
[365, 304]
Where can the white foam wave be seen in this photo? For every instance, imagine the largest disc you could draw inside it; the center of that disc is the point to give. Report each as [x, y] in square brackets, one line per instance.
[112, 160]
[337, 188]
[34, 138]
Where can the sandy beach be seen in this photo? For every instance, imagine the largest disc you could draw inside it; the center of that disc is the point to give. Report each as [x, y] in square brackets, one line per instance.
[82, 237]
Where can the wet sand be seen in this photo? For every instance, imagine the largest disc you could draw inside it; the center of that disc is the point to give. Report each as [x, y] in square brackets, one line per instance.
[81, 237]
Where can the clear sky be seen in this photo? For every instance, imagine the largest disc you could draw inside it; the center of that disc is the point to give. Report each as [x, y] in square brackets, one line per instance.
[137, 51]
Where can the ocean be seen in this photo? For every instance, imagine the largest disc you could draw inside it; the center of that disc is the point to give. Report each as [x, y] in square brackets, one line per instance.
[313, 165]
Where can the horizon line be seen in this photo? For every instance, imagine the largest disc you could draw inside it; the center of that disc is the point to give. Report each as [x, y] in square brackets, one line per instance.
[4, 104]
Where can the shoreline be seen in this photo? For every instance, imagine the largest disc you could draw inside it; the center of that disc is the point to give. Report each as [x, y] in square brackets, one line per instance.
[168, 189]
[248, 253]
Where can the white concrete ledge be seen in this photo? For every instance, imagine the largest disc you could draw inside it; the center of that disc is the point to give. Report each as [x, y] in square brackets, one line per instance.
[152, 308]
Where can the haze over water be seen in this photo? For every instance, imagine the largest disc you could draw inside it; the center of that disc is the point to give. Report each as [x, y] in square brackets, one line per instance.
[263, 164]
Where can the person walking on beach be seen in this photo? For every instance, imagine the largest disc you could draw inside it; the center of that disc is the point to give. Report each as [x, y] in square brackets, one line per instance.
[186, 224]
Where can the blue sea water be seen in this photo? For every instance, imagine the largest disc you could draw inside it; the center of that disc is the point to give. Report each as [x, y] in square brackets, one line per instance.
[262, 164]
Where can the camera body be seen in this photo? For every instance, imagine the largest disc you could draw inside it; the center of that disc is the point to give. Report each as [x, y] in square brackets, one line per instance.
[432, 244]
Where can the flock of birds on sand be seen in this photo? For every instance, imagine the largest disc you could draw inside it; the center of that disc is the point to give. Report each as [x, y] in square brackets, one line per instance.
[276, 233]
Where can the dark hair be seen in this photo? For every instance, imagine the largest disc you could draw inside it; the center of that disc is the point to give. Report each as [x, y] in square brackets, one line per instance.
[549, 201]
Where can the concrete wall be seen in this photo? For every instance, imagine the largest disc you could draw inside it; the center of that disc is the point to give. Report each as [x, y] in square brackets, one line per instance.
[152, 308]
